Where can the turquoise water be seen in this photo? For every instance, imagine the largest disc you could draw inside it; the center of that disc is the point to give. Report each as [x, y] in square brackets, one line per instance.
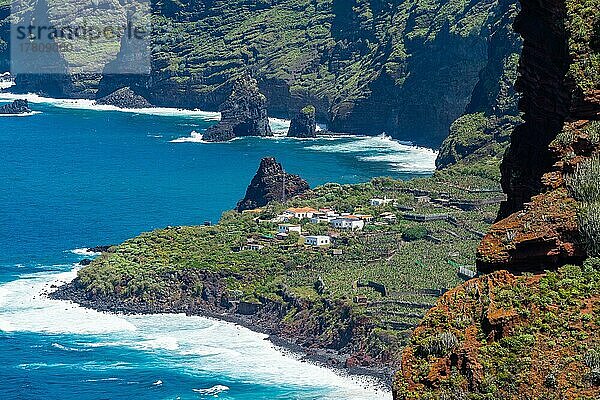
[73, 176]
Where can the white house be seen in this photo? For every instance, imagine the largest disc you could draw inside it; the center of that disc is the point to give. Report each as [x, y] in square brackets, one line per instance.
[367, 218]
[287, 228]
[317, 241]
[381, 202]
[253, 247]
[300, 213]
[348, 222]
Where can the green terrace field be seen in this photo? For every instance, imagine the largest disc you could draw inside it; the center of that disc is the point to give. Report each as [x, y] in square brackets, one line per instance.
[414, 262]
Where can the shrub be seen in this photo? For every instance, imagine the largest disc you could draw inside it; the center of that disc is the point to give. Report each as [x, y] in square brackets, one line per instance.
[415, 233]
[442, 344]
[592, 360]
[588, 219]
[584, 183]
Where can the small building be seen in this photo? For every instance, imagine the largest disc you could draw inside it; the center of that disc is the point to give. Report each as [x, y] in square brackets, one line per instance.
[317, 241]
[381, 202]
[287, 228]
[351, 222]
[300, 213]
[389, 218]
[253, 247]
[365, 217]
[337, 252]
[282, 236]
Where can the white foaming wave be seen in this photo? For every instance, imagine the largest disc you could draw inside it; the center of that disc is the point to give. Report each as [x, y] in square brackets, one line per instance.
[214, 346]
[160, 343]
[84, 252]
[401, 156]
[194, 137]
[212, 391]
[29, 114]
[196, 345]
[4, 84]
[67, 348]
[279, 126]
[85, 104]
[26, 309]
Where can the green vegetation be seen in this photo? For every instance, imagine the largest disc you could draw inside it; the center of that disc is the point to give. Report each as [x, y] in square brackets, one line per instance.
[414, 271]
[584, 186]
[514, 337]
[584, 36]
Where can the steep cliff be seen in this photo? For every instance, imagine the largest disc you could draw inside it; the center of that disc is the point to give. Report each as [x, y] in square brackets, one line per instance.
[483, 133]
[536, 336]
[407, 68]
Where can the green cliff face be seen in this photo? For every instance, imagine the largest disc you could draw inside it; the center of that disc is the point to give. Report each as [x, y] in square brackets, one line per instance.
[405, 67]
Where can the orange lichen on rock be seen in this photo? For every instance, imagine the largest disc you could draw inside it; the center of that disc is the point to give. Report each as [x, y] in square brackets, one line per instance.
[543, 235]
[518, 338]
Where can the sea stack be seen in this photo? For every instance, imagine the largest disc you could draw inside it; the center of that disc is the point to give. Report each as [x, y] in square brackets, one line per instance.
[16, 107]
[243, 114]
[124, 98]
[271, 183]
[304, 125]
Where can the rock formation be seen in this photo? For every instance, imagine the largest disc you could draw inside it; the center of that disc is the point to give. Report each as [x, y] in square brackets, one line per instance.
[243, 114]
[560, 96]
[304, 125]
[16, 107]
[271, 183]
[504, 336]
[124, 98]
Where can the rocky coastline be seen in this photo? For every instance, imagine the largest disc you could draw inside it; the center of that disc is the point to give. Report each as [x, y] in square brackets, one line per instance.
[265, 319]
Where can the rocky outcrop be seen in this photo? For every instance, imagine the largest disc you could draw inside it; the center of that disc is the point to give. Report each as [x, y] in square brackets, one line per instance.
[271, 183]
[304, 125]
[243, 114]
[538, 226]
[507, 337]
[124, 98]
[16, 107]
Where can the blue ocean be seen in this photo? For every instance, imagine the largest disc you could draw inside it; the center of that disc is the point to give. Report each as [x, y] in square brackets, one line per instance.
[75, 175]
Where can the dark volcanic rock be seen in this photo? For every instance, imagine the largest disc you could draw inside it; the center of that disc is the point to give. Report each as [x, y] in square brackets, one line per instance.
[304, 125]
[99, 249]
[124, 98]
[16, 107]
[243, 114]
[271, 183]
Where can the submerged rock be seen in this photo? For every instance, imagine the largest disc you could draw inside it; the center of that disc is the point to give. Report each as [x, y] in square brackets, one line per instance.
[271, 183]
[304, 125]
[16, 107]
[243, 114]
[124, 98]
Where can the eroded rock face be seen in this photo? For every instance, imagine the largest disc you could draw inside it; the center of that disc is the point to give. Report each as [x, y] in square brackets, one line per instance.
[124, 98]
[551, 96]
[243, 114]
[271, 183]
[304, 125]
[538, 223]
[16, 107]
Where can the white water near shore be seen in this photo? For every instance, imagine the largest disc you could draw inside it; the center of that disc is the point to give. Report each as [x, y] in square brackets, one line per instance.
[194, 344]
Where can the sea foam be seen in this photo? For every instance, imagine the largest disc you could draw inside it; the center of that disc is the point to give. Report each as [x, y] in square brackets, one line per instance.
[400, 156]
[196, 345]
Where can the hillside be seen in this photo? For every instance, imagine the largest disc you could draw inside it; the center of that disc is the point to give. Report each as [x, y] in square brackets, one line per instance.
[529, 329]
[407, 68]
[354, 299]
